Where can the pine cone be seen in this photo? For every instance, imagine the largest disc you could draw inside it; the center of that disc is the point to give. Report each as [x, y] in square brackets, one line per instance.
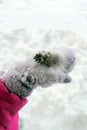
[46, 59]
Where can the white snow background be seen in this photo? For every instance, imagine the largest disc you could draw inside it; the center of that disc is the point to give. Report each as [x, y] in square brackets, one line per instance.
[27, 25]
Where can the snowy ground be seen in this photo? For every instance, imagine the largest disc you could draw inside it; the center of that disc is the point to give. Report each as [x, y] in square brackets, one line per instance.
[29, 24]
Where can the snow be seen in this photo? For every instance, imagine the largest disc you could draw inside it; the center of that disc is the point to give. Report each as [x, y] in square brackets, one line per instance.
[27, 25]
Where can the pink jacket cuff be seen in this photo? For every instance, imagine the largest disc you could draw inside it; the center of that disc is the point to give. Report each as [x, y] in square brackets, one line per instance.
[10, 104]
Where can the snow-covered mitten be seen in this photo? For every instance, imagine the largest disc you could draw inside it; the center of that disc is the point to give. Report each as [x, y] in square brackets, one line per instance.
[43, 69]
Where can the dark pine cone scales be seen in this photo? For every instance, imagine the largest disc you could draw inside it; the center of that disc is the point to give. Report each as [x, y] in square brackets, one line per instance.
[46, 59]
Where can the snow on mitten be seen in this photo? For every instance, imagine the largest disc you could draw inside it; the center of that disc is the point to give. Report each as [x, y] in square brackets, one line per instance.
[1, 73]
[44, 69]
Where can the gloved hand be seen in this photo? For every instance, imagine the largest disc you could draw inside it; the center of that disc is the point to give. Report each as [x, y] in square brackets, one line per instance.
[43, 69]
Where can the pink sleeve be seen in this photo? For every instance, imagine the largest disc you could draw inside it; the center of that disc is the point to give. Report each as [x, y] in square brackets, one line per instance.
[10, 104]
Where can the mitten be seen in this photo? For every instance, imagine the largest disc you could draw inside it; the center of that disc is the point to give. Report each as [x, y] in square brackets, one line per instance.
[43, 69]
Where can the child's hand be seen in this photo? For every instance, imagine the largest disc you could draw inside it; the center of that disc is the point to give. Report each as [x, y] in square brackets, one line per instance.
[45, 69]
